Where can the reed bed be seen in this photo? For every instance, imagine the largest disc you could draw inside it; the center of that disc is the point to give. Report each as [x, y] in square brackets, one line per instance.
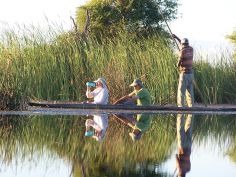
[57, 64]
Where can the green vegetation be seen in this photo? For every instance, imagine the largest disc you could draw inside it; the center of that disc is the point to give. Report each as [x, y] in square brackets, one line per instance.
[232, 153]
[219, 129]
[41, 66]
[215, 78]
[63, 136]
[232, 38]
[109, 17]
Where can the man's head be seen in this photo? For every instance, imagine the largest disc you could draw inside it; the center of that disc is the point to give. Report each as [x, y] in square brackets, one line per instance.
[184, 42]
[137, 84]
[183, 164]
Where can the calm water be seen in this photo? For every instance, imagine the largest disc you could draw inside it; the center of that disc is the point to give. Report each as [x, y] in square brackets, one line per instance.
[123, 145]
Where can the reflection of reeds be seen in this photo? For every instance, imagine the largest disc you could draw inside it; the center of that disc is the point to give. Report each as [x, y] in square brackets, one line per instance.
[232, 153]
[56, 68]
[220, 129]
[117, 153]
[64, 136]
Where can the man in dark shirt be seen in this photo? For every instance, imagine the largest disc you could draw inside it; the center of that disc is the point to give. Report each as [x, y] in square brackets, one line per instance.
[185, 86]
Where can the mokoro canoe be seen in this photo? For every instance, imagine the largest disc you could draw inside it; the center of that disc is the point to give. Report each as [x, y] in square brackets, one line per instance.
[75, 105]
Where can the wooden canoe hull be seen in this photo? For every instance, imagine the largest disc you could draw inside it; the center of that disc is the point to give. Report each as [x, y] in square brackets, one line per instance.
[73, 105]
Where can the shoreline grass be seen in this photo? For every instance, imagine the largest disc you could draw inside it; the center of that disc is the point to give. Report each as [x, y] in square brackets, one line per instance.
[44, 67]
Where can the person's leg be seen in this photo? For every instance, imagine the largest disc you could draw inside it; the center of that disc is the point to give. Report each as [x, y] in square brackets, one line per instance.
[189, 90]
[188, 130]
[180, 130]
[126, 118]
[128, 101]
[181, 90]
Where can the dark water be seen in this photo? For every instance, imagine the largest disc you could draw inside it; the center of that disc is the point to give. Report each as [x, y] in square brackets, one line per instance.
[162, 145]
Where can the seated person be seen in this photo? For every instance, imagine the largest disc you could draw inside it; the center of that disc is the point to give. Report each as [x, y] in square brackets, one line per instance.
[99, 94]
[99, 124]
[140, 95]
[139, 123]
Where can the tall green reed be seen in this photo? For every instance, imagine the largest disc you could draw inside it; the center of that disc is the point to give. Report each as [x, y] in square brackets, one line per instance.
[215, 78]
[56, 65]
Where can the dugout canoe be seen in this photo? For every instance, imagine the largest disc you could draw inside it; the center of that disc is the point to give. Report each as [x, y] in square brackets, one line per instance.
[75, 105]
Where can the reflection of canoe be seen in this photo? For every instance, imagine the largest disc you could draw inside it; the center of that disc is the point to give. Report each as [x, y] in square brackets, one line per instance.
[76, 105]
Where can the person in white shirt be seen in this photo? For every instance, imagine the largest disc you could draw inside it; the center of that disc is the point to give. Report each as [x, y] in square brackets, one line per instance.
[99, 124]
[100, 94]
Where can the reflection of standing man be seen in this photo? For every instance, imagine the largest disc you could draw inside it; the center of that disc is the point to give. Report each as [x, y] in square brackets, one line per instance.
[184, 141]
[185, 86]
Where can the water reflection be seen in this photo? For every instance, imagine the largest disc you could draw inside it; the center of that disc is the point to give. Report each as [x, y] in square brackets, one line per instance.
[184, 126]
[62, 138]
[96, 127]
[139, 123]
[118, 155]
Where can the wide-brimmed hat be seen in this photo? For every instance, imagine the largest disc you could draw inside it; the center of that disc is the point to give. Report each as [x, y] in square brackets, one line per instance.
[136, 82]
[102, 80]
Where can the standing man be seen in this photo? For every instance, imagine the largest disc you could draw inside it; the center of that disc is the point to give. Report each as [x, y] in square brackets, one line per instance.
[185, 86]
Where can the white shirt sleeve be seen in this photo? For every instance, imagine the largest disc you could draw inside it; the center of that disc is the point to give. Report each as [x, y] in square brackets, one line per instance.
[100, 95]
[94, 93]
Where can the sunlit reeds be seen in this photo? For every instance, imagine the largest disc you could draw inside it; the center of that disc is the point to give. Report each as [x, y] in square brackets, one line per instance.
[56, 65]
